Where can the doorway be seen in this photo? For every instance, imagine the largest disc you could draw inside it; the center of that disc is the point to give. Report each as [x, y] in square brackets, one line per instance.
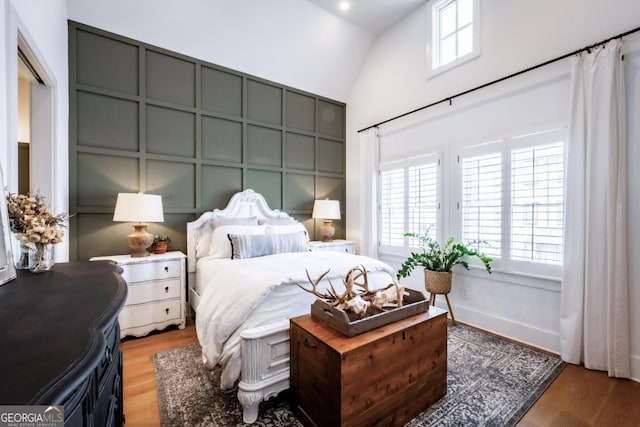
[35, 125]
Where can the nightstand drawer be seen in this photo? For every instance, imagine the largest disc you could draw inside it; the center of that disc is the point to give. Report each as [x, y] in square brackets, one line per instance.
[147, 314]
[346, 246]
[143, 292]
[149, 271]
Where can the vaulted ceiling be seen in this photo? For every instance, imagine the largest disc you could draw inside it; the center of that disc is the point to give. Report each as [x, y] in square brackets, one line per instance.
[309, 45]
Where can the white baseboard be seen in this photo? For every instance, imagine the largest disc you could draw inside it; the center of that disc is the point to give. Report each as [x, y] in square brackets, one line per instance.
[635, 368]
[526, 334]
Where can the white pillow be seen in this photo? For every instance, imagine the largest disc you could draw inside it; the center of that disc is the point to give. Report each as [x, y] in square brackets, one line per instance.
[287, 220]
[291, 228]
[219, 222]
[203, 240]
[256, 245]
[220, 245]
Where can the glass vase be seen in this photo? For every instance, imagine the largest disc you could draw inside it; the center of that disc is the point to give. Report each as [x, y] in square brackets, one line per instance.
[41, 258]
[23, 250]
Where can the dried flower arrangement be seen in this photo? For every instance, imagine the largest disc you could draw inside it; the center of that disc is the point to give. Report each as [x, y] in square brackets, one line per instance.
[32, 222]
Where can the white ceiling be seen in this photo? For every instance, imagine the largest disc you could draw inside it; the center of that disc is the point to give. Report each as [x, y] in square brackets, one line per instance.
[374, 16]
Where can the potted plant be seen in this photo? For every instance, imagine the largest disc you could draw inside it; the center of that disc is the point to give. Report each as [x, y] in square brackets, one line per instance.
[160, 243]
[437, 262]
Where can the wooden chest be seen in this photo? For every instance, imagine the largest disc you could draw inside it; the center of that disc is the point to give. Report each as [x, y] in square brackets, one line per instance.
[386, 376]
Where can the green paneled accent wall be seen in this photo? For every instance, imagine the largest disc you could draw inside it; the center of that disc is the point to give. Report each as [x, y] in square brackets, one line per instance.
[142, 118]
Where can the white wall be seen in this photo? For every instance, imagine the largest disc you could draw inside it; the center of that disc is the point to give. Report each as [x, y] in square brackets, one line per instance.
[43, 25]
[291, 42]
[514, 35]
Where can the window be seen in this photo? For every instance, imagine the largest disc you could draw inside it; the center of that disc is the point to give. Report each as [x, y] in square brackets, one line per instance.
[512, 201]
[455, 35]
[408, 201]
[537, 196]
[482, 203]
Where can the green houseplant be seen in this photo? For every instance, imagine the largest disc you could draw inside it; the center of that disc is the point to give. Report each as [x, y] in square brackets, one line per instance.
[438, 261]
[440, 258]
[160, 243]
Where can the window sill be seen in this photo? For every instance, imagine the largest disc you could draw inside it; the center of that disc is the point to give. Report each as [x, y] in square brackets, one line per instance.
[514, 278]
[434, 72]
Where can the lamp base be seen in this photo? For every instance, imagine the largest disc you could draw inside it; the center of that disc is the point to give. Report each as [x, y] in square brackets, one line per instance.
[327, 230]
[140, 240]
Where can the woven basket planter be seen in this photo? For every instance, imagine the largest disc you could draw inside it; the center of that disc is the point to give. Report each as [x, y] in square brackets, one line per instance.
[437, 282]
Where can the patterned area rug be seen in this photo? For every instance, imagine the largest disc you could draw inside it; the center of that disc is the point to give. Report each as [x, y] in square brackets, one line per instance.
[490, 382]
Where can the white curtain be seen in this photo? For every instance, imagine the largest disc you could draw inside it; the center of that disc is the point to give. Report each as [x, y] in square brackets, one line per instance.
[369, 153]
[594, 324]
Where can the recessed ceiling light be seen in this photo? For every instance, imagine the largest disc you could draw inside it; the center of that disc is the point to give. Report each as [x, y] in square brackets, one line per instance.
[344, 5]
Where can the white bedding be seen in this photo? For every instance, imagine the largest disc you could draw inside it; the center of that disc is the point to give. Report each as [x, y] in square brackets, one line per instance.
[244, 293]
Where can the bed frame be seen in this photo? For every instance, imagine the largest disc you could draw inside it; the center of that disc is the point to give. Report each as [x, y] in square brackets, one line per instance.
[265, 349]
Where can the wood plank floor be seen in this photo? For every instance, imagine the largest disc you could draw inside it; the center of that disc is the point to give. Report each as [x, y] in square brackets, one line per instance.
[578, 397]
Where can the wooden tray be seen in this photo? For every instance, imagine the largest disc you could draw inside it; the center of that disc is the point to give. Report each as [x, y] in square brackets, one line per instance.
[351, 324]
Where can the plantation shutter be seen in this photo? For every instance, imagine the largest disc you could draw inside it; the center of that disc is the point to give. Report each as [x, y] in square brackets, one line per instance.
[409, 191]
[537, 208]
[422, 200]
[481, 207]
[392, 196]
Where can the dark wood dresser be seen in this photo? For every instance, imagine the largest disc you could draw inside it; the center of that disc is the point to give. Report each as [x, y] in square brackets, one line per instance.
[386, 376]
[61, 344]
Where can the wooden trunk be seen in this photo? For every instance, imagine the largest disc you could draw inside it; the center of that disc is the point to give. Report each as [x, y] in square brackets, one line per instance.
[386, 376]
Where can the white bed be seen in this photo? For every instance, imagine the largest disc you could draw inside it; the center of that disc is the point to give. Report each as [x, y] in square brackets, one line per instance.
[243, 305]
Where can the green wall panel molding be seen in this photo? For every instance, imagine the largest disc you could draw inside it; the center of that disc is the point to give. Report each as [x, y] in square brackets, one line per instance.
[107, 122]
[221, 139]
[301, 151]
[105, 63]
[219, 183]
[330, 156]
[103, 177]
[170, 132]
[174, 181]
[221, 91]
[170, 79]
[331, 119]
[264, 146]
[301, 111]
[300, 190]
[267, 183]
[142, 118]
[264, 102]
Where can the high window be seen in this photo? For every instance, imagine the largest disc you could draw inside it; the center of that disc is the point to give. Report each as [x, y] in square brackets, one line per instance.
[454, 32]
[409, 201]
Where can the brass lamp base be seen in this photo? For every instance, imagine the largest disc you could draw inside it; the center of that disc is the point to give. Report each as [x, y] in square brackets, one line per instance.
[140, 240]
[327, 230]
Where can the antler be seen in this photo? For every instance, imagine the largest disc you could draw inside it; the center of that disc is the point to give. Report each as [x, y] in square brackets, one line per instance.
[357, 301]
[314, 289]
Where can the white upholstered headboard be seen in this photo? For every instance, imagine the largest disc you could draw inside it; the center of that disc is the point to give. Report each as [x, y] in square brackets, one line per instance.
[244, 204]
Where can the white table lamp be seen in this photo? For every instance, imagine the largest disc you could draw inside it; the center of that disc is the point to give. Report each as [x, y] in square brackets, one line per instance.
[326, 210]
[139, 208]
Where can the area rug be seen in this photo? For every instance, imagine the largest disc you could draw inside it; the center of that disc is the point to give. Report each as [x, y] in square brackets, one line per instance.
[490, 382]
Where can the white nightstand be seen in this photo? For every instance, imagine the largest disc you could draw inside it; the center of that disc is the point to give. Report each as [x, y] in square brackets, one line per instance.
[156, 292]
[347, 246]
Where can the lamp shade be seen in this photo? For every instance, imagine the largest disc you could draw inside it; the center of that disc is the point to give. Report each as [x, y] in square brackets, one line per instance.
[138, 207]
[326, 209]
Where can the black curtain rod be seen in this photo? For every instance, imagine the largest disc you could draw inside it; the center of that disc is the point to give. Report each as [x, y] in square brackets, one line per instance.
[450, 98]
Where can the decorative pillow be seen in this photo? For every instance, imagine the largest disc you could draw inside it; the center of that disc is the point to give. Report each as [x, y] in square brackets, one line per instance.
[251, 246]
[291, 228]
[219, 222]
[277, 221]
[220, 246]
